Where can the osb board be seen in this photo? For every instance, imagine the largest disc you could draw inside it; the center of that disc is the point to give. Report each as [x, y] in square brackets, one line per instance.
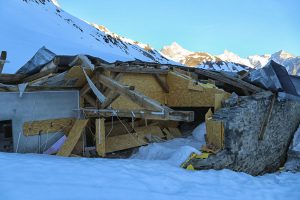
[48, 126]
[131, 140]
[143, 83]
[215, 133]
[73, 137]
[123, 102]
[185, 92]
[192, 98]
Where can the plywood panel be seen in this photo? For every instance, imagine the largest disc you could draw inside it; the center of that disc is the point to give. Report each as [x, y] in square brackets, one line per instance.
[185, 92]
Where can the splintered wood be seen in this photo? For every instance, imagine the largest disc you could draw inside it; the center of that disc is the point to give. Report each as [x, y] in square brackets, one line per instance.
[73, 137]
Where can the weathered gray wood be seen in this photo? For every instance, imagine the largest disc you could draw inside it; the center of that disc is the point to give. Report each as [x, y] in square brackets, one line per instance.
[11, 78]
[229, 80]
[2, 60]
[38, 75]
[144, 114]
[133, 69]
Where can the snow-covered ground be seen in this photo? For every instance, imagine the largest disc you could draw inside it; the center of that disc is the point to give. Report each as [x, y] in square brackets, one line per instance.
[152, 173]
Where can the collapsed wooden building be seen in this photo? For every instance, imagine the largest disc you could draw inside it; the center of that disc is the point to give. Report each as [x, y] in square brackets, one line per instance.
[83, 106]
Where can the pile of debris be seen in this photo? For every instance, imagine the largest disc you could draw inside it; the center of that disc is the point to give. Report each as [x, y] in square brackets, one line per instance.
[83, 106]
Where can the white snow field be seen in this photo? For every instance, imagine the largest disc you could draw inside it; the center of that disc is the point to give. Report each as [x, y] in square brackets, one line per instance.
[28, 25]
[153, 173]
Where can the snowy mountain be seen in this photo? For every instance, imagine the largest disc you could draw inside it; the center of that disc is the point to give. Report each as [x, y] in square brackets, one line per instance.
[224, 62]
[31, 24]
[229, 61]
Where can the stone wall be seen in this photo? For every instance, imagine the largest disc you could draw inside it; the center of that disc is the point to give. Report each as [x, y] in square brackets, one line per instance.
[244, 150]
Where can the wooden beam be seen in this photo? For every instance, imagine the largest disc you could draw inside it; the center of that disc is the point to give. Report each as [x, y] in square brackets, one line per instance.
[90, 100]
[86, 87]
[135, 69]
[11, 78]
[38, 75]
[135, 96]
[187, 116]
[38, 88]
[229, 80]
[100, 137]
[48, 126]
[117, 77]
[111, 97]
[2, 60]
[162, 82]
[73, 137]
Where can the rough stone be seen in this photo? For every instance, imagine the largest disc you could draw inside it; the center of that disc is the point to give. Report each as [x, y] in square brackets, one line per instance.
[244, 150]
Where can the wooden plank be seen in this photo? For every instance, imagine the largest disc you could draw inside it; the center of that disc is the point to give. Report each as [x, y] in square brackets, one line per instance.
[90, 100]
[2, 60]
[86, 87]
[48, 126]
[218, 101]
[73, 137]
[11, 78]
[137, 70]
[135, 96]
[110, 98]
[169, 136]
[175, 132]
[229, 80]
[100, 137]
[162, 82]
[215, 134]
[187, 116]
[132, 140]
[38, 75]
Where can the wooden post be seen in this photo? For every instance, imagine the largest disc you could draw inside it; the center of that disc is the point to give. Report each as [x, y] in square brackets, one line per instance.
[100, 137]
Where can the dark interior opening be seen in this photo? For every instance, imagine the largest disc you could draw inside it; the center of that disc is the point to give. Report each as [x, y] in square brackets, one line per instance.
[6, 136]
[199, 117]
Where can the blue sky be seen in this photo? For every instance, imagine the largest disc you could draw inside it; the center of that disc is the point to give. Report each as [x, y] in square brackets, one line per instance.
[245, 27]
